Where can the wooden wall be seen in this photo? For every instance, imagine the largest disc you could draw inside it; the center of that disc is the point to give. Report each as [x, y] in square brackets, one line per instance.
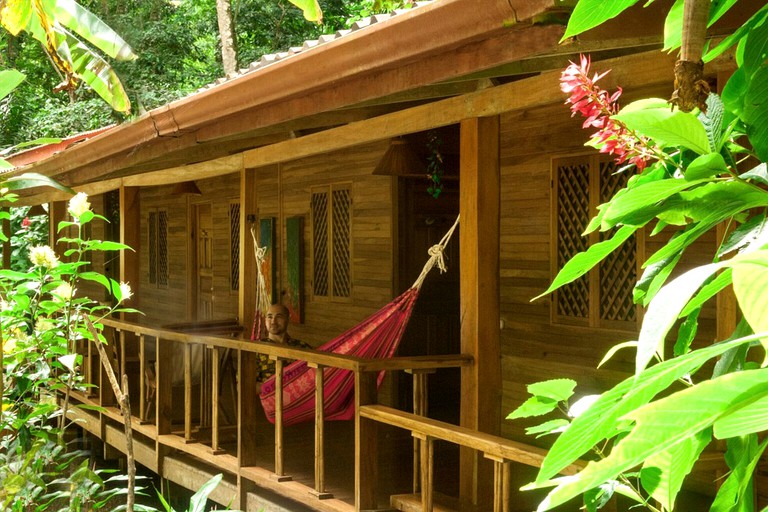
[284, 191]
[169, 304]
[534, 347]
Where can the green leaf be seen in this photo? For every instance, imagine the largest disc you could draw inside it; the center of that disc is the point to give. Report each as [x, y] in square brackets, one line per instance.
[663, 473]
[69, 361]
[582, 262]
[612, 351]
[667, 127]
[750, 419]
[653, 278]
[642, 199]
[97, 278]
[590, 13]
[664, 310]
[664, 423]
[556, 389]
[705, 166]
[600, 421]
[86, 24]
[757, 19]
[534, 406]
[673, 26]
[738, 486]
[686, 333]
[548, 427]
[750, 282]
[102, 245]
[9, 80]
[712, 120]
[759, 174]
[31, 180]
[708, 291]
[753, 231]
[310, 8]
[200, 498]
[755, 113]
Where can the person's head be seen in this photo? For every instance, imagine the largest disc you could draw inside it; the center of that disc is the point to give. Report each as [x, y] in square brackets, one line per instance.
[277, 322]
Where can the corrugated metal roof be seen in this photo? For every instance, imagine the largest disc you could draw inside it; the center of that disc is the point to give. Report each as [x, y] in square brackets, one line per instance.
[272, 58]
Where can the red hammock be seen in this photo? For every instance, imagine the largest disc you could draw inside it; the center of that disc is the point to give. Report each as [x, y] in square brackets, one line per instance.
[376, 337]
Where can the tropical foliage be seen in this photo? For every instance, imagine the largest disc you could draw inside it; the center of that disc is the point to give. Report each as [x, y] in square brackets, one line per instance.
[692, 173]
[43, 319]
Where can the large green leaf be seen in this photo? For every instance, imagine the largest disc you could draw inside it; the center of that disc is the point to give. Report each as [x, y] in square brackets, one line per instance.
[750, 419]
[30, 180]
[757, 19]
[667, 127]
[708, 291]
[756, 112]
[742, 456]
[750, 284]
[705, 166]
[643, 198]
[653, 278]
[600, 421]
[664, 310]
[9, 80]
[310, 8]
[93, 70]
[556, 389]
[15, 16]
[88, 26]
[590, 13]
[663, 473]
[581, 263]
[664, 423]
[200, 498]
[673, 26]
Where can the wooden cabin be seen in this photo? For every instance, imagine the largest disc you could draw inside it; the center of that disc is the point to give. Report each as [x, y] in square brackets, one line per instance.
[297, 146]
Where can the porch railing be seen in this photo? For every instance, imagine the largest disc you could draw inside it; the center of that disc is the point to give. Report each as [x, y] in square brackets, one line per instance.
[203, 356]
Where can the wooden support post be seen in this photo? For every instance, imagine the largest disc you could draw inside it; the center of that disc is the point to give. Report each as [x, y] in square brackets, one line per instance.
[143, 376]
[366, 450]
[246, 408]
[188, 393]
[280, 475]
[319, 492]
[164, 386]
[479, 205]
[215, 362]
[130, 235]
[427, 471]
[248, 270]
[121, 363]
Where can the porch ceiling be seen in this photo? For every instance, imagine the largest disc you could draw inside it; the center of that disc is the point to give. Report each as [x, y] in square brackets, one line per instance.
[442, 49]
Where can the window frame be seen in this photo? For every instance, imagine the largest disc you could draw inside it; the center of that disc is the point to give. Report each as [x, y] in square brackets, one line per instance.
[331, 232]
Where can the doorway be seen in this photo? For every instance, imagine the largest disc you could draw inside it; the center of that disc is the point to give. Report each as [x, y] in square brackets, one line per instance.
[203, 262]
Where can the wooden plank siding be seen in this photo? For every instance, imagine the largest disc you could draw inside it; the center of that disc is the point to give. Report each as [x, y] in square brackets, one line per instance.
[284, 191]
[533, 346]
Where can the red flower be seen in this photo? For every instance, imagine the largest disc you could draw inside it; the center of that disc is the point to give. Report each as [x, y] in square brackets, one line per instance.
[25, 223]
[597, 106]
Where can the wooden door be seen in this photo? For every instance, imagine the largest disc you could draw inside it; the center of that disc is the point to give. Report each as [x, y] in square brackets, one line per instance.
[203, 266]
[434, 327]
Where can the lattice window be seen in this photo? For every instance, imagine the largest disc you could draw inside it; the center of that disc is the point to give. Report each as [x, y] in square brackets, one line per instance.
[331, 209]
[603, 297]
[158, 247]
[234, 246]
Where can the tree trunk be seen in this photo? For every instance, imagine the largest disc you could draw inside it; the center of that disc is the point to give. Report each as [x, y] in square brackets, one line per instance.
[228, 53]
[691, 90]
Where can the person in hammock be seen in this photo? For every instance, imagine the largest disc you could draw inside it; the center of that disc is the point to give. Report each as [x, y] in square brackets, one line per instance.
[276, 321]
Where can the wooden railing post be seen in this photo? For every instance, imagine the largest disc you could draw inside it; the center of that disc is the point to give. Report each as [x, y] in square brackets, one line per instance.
[246, 408]
[319, 433]
[188, 393]
[366, 450]
[143, 378]
[280, 475]
[420, 407]
[501, 479]
[164, 386]
[427, 445]
[216, 361]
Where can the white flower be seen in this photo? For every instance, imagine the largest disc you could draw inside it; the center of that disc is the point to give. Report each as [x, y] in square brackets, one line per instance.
[125, 292]
[79, 204]
[43, 256]
[64, 291]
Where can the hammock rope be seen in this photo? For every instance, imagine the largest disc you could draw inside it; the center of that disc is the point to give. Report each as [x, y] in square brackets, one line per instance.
[376, 337]
[262, 296]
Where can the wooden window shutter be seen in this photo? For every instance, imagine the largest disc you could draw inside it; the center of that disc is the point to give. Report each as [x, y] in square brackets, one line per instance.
[234, 246]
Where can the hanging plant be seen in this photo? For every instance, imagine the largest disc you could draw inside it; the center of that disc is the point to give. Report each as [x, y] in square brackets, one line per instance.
[435, 165]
